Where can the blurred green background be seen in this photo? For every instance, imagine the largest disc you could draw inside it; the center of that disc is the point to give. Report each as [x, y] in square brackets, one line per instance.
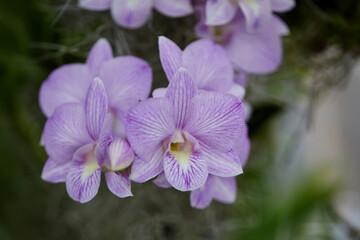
[273, 202]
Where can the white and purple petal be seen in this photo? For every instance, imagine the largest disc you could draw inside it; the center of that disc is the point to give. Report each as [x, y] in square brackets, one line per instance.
[209, 65]
[119, 184]
[257, 13]
[257, 53]
[224, 189]
[142, 171]
[96, 108]
[65, 84]
[219, 12]
[65, 131]
[170, 56]
[184, 165]
[83, 179]
[174, 8]
[131, 13]
[161, 181]
[127, 81]
[216, 119]
[223, 164]
[202, 197]
[55, 172]
[95, 5]
[148, 125]
[119, 155]
[100, 53]
[180, 92]
[282, 5]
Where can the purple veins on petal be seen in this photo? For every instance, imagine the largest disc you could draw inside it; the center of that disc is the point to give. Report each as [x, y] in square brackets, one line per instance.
[184, 167]
[83, 179]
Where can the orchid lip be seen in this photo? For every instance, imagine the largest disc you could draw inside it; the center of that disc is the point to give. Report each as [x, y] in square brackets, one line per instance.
[181, 149]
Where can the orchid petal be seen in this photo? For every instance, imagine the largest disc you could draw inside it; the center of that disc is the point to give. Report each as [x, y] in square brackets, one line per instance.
[96, 107]
[161, 181]
[241, 78]
[282, 5]
[104, 140]
[127, 81]
[237, 91]
[221, 164]
[174, 8]
[242, 147]
[55, 172]
[209, 65]
[257, 13]
[216, 119]
[159, 92]
[147, 125]
[95, 5]
[99, 53]
[180, 91]
[83, 179]
[65, 131]
[131, 13]
[279, 26]
[224, 189]
[170, 56]
[219, 12]
[142, 171]
[201, 198]
[119, 155]
[119, 184]
[66, 84]
[185, 169]
[258, 53]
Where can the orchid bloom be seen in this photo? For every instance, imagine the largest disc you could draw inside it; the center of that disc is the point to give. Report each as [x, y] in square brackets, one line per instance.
[222, 189]
[188, 134]
[134, 13]
[258, 52]
[78, 140]
[206, 62]
[127, 80]
[257, 12]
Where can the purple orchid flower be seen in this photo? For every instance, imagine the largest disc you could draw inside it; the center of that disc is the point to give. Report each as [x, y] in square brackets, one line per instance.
[188, 134]
[257, 12]
[206, 62]
[79, 143]
[222, 189]
[127, 80]
[257, 52]
[211, 67]
[134, 13]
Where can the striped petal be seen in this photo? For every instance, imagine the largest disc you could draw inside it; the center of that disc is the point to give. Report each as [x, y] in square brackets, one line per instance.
[119, 184]
[180, 92]
[55, 172]
[148, 125]
[65, 131]
[216, 119]
[170, 56]
[96, 107]
[184, 166]
[83, 179]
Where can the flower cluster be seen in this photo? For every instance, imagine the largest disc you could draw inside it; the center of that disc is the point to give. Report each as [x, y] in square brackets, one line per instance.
[192, 135]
